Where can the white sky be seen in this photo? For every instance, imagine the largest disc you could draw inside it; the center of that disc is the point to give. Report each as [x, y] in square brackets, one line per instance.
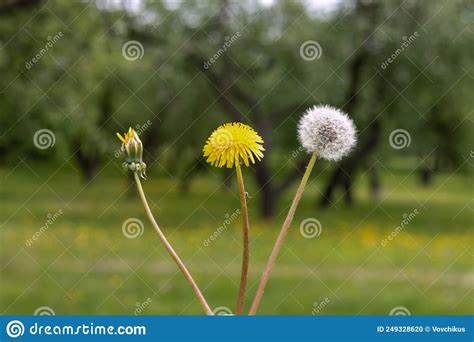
[315, 6]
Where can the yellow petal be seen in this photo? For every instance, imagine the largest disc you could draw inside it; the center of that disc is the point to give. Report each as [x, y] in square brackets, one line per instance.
[120, 137]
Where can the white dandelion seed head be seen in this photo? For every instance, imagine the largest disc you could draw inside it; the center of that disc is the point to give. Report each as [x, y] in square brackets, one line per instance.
[327, 131]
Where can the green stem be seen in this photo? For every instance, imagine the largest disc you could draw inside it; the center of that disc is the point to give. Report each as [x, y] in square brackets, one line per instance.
[246, 242]
[170, 249]
[281, 237]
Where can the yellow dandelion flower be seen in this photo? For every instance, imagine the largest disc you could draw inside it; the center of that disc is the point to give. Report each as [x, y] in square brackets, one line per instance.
[233, 142]
[227, 146]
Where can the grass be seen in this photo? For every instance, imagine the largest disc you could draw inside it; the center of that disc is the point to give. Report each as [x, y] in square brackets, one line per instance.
[83, 264]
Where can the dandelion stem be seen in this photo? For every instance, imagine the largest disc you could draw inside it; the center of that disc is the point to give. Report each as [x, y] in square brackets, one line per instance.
[281, 237]
[170, 249]
[246, 243]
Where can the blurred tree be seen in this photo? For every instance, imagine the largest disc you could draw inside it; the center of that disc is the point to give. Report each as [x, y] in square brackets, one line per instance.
[202, 63]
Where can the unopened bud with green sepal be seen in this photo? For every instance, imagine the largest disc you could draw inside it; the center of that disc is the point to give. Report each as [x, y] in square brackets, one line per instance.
[133, 149]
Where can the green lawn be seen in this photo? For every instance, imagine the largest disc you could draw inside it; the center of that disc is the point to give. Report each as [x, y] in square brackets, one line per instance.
[83, 264]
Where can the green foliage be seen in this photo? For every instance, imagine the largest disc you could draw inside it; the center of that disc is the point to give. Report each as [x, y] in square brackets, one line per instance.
[84, 89]
[346, 263]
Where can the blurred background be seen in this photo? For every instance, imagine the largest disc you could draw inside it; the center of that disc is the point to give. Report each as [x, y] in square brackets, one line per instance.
[386, 231]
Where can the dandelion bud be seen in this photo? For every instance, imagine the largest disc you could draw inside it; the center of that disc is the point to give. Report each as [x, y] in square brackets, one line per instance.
[133, 149]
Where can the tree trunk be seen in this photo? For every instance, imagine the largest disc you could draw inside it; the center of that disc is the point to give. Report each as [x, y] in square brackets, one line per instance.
[347, 185]
[426, 176]
[345, 171]
[89, 159]
[87, 165]
[375, 189]
[268, 194]
[8, 7]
